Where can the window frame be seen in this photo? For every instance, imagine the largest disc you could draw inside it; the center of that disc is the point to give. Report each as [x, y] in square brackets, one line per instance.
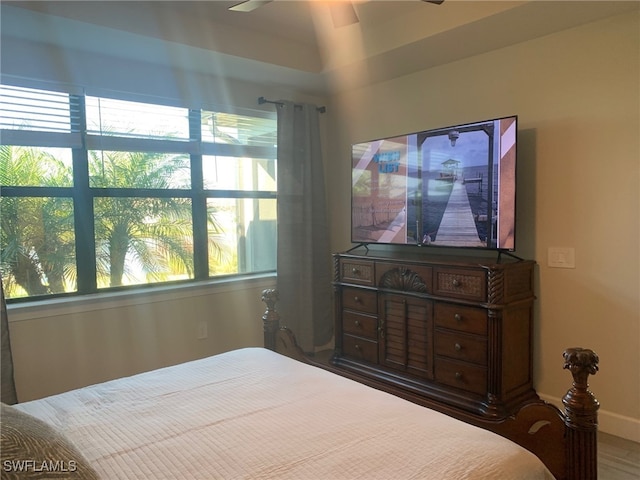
[81, 142]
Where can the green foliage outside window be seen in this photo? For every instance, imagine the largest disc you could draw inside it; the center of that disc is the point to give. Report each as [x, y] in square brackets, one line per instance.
[130, 214]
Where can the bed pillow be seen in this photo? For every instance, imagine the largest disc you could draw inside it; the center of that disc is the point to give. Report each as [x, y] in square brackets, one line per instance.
[33, 449]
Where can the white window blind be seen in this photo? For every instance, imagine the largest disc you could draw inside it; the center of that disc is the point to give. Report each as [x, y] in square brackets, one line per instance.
[37, 110]
[231, 128]
[110, 117]
[38, 118]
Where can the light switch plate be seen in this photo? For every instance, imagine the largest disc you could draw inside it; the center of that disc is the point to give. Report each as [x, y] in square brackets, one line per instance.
[561, 257]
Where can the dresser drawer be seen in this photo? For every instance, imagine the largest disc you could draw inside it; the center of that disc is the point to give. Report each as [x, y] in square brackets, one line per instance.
[404, 277]
[461, 375]
[460, 283]
[360, 325]
[360, 348]
[357, 271]
[360, 300]
[457, 317]
[461, 347]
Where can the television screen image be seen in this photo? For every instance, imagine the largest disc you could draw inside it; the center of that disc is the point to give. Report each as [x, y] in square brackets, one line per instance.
[451, 187]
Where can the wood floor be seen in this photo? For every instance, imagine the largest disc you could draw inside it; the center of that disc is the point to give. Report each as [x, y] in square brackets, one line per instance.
[618, 459]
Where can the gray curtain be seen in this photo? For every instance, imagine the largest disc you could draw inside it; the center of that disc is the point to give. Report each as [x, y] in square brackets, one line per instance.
[7, 388]
[304, 261]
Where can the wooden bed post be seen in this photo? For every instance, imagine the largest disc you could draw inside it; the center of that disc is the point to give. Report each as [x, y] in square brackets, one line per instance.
[279, 338]
[270, 318]
[581, 408]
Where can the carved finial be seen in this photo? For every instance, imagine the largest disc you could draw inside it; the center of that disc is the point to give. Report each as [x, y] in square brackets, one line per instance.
[581, 362]
[580, 404]
[270, 318]
[270, 297]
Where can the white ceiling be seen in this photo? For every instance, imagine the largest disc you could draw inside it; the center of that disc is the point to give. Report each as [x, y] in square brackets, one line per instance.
[297, 39]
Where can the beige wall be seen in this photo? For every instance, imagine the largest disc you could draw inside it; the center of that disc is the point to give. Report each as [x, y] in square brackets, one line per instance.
[58, 346]
[577, 94]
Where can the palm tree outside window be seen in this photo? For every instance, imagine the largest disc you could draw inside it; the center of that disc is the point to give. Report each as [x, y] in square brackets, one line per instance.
[102, 193]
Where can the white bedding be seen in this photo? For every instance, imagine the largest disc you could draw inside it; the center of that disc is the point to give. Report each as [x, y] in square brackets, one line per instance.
[255, 414]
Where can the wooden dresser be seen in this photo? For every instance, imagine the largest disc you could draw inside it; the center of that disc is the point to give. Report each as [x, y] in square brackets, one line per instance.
[452, 331]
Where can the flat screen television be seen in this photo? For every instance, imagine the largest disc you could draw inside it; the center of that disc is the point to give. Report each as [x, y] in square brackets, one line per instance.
[449, 187]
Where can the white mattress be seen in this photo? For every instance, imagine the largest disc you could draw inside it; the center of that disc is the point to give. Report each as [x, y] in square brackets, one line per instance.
[255, 414]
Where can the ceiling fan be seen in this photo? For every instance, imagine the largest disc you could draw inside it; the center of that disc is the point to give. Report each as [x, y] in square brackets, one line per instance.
[342, 13]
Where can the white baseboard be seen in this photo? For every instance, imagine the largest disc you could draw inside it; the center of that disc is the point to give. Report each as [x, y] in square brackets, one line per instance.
[608, 422]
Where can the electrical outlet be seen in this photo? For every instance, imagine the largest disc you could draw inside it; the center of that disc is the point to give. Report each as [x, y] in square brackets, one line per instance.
[561, 257]
[202, 330]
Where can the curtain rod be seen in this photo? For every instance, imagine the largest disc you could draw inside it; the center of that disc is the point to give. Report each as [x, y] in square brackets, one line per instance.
[262, 100]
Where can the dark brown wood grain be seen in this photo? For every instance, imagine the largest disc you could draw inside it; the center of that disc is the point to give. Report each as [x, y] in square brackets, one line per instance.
[454, 329]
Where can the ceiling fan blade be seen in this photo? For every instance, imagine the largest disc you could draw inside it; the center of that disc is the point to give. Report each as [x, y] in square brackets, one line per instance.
[343, 14]
[248, 5]
[437, 2]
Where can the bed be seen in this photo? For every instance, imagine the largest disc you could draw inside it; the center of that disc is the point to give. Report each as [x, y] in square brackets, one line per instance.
[273, 412]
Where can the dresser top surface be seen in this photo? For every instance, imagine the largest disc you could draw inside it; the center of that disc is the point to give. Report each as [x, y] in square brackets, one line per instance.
[488, 261]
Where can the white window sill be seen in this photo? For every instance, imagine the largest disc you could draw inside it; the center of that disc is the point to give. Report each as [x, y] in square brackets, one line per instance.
[100, 301]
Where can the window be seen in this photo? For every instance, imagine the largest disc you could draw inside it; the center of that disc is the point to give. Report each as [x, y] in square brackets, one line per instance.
[103, 192]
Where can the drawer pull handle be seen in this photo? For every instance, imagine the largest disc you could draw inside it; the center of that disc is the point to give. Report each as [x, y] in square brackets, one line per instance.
[356, 299]
[354, 270]
[457, 317]
[357, 323]
[458, 376]
[357, 347]
[458, 347]
[456, 282]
